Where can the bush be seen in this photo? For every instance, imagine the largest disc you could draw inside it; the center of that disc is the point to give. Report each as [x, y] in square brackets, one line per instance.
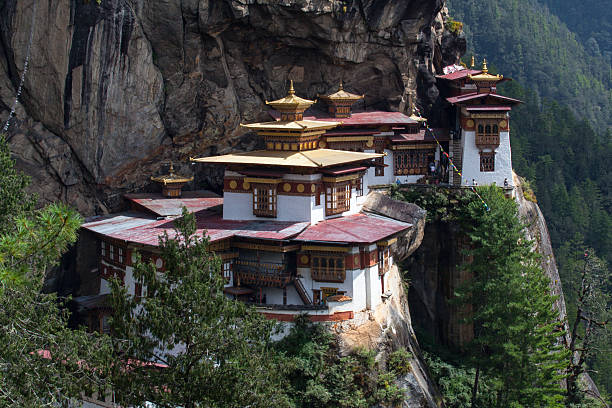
[399, 362]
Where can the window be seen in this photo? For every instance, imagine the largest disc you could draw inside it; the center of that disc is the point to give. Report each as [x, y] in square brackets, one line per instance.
[328, 267]
[487, 161]
[412, 161]
[383, 260]
[316, 296]
[379, 162]
[103, 248]
[264, 200]
[104, 326]
[487, 133]
[121, 255]
[227, 270]
[112, 252]
[337, 198]
[359, 187]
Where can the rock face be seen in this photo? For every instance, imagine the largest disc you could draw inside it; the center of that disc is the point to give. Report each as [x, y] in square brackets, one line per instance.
[115, 88]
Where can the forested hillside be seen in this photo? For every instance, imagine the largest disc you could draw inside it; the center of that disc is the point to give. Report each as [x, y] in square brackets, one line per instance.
[561, 137]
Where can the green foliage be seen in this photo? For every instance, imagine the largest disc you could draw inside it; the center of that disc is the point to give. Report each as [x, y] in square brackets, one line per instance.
[42, 362]
[516, 329]
[319, 377]
[216, 351]
[399, 362]
[453, 26]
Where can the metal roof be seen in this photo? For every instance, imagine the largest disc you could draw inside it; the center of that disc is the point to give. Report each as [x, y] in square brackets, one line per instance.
[308, 158]
[486, 108]
[358, 228]
[297, 125]
[422, 136]
[453, 76]
[139, 229]
[475, 95]
[375, 118]
[162, 206]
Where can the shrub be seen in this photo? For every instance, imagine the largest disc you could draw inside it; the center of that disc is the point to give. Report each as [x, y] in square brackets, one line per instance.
[399, 362]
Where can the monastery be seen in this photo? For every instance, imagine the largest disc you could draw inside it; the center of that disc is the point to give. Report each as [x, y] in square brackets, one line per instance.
[290, 228]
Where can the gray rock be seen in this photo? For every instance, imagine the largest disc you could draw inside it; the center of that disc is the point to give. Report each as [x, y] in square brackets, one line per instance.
[115, 89]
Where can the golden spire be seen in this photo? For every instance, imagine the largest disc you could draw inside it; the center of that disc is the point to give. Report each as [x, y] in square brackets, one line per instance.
[291, 90]
[472, 63]
[171, 183]
[171, 169]
[484, 66]
[341, 87]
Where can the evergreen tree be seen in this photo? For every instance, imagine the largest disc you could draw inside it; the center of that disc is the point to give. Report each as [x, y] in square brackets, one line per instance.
[516, 330]
[42, 362]
[185, 343]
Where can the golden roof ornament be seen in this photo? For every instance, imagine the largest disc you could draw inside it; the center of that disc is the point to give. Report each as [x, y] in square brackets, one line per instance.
[416, 117]
[171, 183]
[342, 96]
[484, 78]
[472, 63]
[291, 106]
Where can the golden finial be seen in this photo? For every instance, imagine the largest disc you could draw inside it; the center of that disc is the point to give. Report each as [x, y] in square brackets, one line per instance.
[291, 90]
[484, 66]
[472, 63]
[341, 87]
[171, 170]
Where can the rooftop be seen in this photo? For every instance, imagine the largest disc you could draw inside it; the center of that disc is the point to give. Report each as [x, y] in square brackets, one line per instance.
[475, 95]
[358, 228]
[161, 206]
[372, 118]
[298, 125]
[310, 158]
[137, 228]
[422, 136]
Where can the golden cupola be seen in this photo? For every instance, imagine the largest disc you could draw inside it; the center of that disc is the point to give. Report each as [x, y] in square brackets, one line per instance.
[291, 132]
[171, 183]
[340, 102]
[291, 107]
[484, 81]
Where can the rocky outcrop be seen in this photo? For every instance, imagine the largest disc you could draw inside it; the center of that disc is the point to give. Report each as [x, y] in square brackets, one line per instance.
[116, 87]
[407, 243]
[385, 330]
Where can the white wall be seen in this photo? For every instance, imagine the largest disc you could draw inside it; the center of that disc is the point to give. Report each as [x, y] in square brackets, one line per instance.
[371, 179]
[471, 161]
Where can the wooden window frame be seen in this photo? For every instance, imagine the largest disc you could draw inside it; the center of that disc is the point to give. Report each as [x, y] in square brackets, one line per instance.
[487, 162]
[226, 268]
[487, 133]
[265, 200]
[328, 267]
[359, 187]
[379, 170]
[412, 161]
[337, 198]
[384, 263]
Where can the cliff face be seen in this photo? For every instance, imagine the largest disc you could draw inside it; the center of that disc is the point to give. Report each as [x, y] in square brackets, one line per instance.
[114, 88]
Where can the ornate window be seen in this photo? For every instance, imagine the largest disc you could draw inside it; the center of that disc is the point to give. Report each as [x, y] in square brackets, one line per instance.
[328, 267]
[487, 161]
[487, 133]
[227, 270]
[359, 187]
[337, 198]
[103, 248]
[264, 200]
[379, 162]
[412, 161]
[383, 260]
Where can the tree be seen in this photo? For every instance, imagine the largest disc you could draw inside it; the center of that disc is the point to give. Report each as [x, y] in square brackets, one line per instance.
[42, 362]
[590, 323]
[185, 343]
[516, 329]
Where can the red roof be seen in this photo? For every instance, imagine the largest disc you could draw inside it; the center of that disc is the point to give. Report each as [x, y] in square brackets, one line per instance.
[134, 228]
[485, 108]
[373, 118]
[164, 206]
[358, 228]
[453, 76]
[475, 95]
[422, 136]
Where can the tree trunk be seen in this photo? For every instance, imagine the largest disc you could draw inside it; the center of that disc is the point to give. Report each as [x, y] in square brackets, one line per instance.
[475, 387]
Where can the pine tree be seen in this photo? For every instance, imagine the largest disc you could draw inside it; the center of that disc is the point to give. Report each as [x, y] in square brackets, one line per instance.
[42, 362]
[516, 330]
[209, 350]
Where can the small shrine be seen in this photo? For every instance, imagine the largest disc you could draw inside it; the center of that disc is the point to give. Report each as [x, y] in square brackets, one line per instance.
[171, 183]
[339, 103]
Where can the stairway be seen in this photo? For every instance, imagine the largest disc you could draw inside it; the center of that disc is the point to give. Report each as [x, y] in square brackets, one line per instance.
[301, 290]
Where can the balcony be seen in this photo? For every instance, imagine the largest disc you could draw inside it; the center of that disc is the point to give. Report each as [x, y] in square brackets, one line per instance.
[261, 274]
[328, 274]
[487, 140]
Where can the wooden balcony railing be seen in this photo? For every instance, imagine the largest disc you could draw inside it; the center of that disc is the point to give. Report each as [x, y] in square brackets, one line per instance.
[261, 274]
[328, 274]
[487, 140]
